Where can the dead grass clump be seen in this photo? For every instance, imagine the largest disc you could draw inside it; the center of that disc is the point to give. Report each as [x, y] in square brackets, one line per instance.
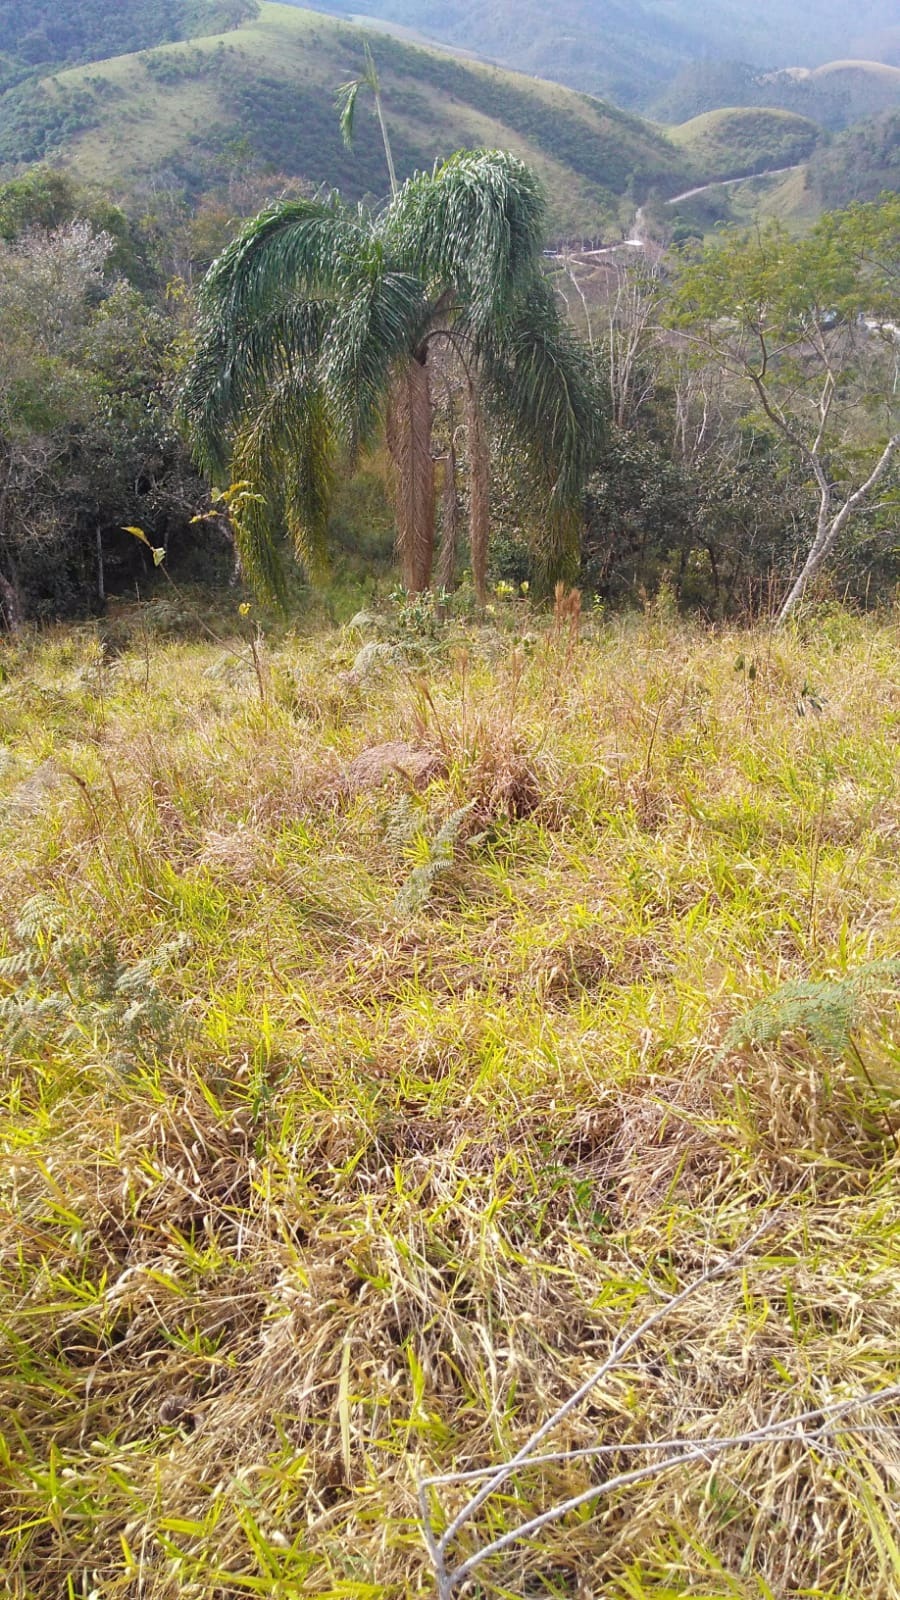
[415, 767]
[800, 1112]
[507, 782]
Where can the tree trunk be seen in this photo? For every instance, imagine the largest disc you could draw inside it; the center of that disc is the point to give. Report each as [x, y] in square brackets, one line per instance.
[410, 413]
[10, 608]
[101, 571]
[830, 529]
[446, 565]
[479, 494]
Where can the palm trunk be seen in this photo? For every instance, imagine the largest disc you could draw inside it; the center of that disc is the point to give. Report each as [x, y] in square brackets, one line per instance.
[446, 565]
[388, 152]
[479, 494]
[410, 414]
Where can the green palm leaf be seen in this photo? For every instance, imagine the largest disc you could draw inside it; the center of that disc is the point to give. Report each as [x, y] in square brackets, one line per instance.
[474, 226]
[234, 367]
[288, 455]
[369, 333]
[307, 245]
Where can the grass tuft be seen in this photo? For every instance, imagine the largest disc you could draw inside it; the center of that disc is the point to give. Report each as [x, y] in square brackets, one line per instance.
[354, 1101]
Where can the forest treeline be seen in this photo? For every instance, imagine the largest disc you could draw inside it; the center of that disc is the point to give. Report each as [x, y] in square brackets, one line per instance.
[706, 370]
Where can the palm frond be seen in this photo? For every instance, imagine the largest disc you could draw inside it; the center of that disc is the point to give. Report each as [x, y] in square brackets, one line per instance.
[296, 247]
[378, 322]
[539, 378]
[204, 399]
[474, 226]
[235, 365]
[345, 100]
[287, 455]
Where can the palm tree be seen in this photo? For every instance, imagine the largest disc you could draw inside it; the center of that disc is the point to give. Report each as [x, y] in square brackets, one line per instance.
[347, 96]
[320, 321]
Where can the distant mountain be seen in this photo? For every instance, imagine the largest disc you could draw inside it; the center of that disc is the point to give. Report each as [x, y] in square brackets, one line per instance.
[835, 95]
[629, 48]
[188, 113]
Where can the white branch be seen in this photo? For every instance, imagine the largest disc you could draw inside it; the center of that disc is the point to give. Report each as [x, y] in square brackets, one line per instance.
[702, 1450]
[830, 531]
[619, 1350]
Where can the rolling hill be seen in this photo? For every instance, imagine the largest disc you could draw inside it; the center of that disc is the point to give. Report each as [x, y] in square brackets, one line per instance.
[856, 165]
[266, 92]
[629, 48]
[734, 141]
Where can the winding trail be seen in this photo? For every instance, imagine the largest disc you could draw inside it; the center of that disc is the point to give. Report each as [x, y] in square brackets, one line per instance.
[637, 240]
[726, 183]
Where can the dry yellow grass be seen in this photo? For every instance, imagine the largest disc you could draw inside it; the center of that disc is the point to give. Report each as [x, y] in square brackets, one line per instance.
[345, 1124]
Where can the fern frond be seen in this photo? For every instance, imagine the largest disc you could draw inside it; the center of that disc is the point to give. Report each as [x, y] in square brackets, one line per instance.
[39, 914]
[826, 1011]
[440, 856]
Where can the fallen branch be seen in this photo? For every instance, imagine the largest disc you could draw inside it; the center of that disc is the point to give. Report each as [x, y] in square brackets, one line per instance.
[675, 1452]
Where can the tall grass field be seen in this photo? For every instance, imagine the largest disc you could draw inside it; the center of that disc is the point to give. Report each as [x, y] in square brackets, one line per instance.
[395, 1019]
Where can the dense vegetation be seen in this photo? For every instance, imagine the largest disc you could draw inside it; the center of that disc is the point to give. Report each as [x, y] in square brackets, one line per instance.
[88, 355]
[858, 165]
[358, 1094]
[52, 33]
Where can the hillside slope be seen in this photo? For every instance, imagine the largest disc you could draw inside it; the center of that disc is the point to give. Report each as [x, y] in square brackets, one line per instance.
[52, 33]
[629, 49]
[859, 164]
[856, 165]
[267, 92]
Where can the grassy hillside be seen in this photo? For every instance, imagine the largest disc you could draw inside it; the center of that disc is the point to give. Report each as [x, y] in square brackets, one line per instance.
[730, 143]
[347, 1119]
[269, 90]
[789, 197]
[630, 50]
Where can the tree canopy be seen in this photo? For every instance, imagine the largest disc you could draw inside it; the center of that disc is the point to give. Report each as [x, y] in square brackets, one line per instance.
[811, 326]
